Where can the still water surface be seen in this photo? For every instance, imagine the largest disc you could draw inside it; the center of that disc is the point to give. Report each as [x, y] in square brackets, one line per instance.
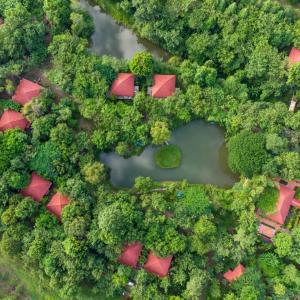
[204, 159]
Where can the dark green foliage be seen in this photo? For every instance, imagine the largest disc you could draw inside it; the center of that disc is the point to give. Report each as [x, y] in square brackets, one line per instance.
[247, 153]
[269, 264]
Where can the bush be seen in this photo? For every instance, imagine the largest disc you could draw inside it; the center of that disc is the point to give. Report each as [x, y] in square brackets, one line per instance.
[247, 153]
[142, 64]
[267, 201]
[168, 157]
[269, 264]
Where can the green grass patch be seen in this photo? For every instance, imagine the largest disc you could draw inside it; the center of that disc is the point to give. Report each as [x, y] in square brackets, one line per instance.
[168, 157]
[267, 201]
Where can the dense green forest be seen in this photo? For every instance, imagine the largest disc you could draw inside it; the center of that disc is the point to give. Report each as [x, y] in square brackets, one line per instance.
[231, 62]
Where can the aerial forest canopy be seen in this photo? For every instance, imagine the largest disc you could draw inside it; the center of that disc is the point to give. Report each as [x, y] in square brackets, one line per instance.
[231, 64]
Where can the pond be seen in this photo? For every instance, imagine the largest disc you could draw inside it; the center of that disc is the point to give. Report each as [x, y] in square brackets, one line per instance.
[204, 159]
[111, 38]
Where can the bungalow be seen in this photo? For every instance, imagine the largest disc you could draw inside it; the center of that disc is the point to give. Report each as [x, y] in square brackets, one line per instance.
[157, 265]
[123, 86]
[294, 56]
[131, 254]
[164, 86]
[26, 91]
[13, 119]
[234, 274]
[270, 224]
[37, 188]
[57, 203]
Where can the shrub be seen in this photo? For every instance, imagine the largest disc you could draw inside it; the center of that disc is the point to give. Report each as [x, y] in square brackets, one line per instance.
[267, 201]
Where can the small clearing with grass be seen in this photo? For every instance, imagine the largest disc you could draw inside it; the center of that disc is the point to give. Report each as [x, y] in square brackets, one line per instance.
[168, 157]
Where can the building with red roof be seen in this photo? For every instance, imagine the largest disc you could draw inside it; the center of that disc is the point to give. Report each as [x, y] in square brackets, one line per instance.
[37, 188]
[267, 231]
[123, 86]
[234, 274]
[13, 119]
[285, 199]
[26, 91]
[294, 56]
[57, 203]
[131, 254]
[164, 86]
[157, 265]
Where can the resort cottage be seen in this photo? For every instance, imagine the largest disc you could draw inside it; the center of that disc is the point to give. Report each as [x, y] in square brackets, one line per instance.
[234, 274]
[26, 91]
[123, 86]
[13, 119]
[164, 86]
[57, 203]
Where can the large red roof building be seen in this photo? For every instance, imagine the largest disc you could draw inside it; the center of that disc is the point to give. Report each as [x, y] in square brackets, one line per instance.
[157, 265]
[131, 254]
[26, 91]
[37, 188]
[57, 203]
[285, 199]
[123, 86]
[13, 119]
[164, 86]
[234, 274]
[294, 56]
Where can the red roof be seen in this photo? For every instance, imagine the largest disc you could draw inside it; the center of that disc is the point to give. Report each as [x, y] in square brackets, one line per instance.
[25, 91]
[232, 275]
[131, 253]
[57, 203]
[286, 196]
[37, 188]
[267, 231]
[164, 86]
[123, 85]
[13, 119]
[294, 56]
[157, 265]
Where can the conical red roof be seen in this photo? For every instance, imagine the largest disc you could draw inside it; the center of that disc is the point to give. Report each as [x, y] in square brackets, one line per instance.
[232, 275]
[57, 203]
[131, 253]
[25, 91]
[294, 56]
[13, 119]
[164, 86]
[37, 188]
[157, 265]
[123, 85]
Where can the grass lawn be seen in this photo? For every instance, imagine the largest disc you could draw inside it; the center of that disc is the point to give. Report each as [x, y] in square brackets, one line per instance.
[168, 157]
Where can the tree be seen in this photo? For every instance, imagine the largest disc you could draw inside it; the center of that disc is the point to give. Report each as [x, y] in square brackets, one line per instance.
[94, 172]
[142, 64]
[283, 244]
[82, 24]
[160, 133]
[247, 153]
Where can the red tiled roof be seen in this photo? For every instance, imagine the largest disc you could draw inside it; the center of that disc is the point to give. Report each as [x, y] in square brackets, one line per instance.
[25, 91]
[131, 253]
[123, 85]
[164, 86]
[232, 275]
[286, 196]
[13, 119]
[37, 188]
[267, 231]
[157, 265]
[57, 203]
[294, 56]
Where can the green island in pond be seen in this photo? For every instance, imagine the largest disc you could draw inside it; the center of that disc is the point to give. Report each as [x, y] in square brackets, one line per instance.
[168, 157]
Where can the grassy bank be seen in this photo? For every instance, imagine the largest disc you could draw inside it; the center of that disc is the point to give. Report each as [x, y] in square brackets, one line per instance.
[118, 14]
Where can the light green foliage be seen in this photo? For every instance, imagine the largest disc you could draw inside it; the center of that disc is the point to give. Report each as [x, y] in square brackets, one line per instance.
[82, 24]
[160, 133]
[269, 264]
[268, 200]
[142, 64]
[94, 173]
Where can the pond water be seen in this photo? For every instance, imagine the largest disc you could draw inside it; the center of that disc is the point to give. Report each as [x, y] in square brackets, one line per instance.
[204, 159]
[114, 39]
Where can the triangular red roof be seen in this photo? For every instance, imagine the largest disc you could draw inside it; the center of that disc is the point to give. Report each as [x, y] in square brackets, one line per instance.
[267, 231]
[164, 86]
[157, 265]
[232, 275]
[57, 203]
[37, 188]
[294, 56]
[286, 196]
[13, 119]
[26, 91]
[131, 253]
[123, 85]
